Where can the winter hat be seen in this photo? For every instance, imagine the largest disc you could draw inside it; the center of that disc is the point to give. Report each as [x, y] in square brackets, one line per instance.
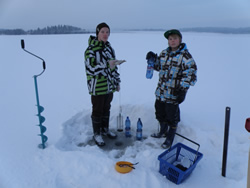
[172, 31]
[100, 26]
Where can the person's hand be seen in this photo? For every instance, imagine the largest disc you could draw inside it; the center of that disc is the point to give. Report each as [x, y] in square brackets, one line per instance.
[113, 63]
[118, 62]
[151, 55]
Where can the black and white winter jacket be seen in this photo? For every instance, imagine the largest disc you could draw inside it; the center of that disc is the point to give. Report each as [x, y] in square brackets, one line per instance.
[100, 78]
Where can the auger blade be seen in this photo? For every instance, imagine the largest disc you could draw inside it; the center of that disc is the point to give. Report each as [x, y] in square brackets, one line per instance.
[43, 129]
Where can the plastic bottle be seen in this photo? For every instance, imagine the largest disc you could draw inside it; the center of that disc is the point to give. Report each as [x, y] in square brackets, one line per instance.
[127, 127]
[139, 130]
[150, 68]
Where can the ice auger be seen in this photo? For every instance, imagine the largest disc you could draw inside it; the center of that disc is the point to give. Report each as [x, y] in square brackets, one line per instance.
[40, 108]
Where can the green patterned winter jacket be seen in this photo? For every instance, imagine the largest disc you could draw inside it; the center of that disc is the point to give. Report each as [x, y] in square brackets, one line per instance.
[101, 79]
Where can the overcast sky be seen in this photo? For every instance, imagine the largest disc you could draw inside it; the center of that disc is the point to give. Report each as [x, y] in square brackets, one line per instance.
[124, 14]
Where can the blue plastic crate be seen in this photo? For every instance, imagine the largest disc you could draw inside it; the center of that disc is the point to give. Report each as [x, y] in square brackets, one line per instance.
[172, 156]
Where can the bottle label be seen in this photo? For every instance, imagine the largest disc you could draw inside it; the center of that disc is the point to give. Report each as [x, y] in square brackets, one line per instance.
[127, 132]
[150, 71]
[139, 134]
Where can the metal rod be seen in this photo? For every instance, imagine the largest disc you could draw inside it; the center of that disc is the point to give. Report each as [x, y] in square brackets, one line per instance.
[39, 113]
[44, 64]
[248, 171]
[120, 117]
[225, 147]
[37, 97]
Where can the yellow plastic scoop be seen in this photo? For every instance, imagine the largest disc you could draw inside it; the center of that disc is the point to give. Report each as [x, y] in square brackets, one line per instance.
[124, 167]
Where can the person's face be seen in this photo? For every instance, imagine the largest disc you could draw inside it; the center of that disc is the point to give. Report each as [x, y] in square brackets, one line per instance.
[103, 34]
[174, 41]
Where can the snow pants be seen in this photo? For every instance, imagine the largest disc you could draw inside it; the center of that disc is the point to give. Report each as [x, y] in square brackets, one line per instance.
[167, 113]
[101, 105]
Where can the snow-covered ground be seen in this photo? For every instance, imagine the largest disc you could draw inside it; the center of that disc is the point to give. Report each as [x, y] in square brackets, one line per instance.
[69, 162]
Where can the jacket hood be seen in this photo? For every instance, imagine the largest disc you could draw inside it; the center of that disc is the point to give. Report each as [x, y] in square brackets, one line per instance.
[93, 41]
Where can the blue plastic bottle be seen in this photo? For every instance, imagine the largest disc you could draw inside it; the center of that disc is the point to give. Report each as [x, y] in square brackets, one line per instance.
[127, 127]
[150, 68]
[139, 130]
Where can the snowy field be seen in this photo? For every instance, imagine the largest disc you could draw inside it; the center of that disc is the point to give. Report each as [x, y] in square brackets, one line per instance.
[69, 161]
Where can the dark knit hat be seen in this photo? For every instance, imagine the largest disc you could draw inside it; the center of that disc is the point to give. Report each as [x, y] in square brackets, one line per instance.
[100, 26]
[172, 31]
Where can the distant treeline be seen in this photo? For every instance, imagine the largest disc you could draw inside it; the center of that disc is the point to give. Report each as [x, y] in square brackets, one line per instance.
[66, 29]
[60, 29]
[225, 30]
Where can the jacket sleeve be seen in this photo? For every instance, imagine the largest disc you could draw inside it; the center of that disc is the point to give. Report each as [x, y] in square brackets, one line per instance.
[114, 71]
[157, 65]
[112, 74]
[189, 72]
[116, 77]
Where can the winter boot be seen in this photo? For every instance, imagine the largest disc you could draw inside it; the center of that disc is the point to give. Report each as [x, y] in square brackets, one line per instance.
[98, 140]
[170, 137]
[105, 128]
[163, 131]
[96, 123]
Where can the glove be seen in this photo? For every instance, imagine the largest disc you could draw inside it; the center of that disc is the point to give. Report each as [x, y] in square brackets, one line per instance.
[181, 94]
[151, 55]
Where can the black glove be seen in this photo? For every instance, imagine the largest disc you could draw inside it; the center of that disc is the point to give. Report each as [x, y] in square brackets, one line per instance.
[151, 55]
[181, 94]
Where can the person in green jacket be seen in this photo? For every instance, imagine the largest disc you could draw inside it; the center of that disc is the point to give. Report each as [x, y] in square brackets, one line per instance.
[103, 80]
